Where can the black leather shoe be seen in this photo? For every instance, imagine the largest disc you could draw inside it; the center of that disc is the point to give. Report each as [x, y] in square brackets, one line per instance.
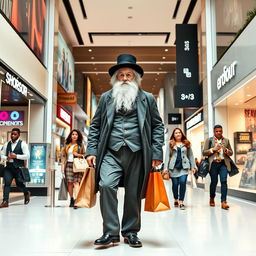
[107, 239]
[27, 198]
[132, 240]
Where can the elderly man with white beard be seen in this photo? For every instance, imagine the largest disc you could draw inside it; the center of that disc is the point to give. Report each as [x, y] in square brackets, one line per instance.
[125, 142]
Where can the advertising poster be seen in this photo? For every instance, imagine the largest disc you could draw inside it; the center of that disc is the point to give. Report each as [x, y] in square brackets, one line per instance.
[248, 178]
[38, 163]
[29, 18]
[66, 67]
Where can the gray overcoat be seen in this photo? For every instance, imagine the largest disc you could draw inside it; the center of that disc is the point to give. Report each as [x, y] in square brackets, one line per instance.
[151, 128]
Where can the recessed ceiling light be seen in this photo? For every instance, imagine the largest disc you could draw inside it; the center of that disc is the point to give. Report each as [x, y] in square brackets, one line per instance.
[166, 50]
[89, 50]
[163, 58]
[248, 95]
[92, 58]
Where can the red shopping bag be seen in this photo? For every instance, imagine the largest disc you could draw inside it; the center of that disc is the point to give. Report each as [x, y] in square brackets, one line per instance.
[156, 197]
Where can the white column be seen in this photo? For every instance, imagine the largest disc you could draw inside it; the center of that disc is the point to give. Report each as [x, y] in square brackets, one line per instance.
[211, 56]
[50, 58]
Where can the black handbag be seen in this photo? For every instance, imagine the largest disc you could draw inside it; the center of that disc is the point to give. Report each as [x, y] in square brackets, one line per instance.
[24, 175]
[234, 170]
[2, 169]
[203, 168]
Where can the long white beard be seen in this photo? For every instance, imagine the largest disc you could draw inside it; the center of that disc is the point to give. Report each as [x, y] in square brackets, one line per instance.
[124, 94]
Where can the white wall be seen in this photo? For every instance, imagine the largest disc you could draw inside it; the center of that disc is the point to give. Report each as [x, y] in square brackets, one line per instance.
[36, 131]
[16, 54]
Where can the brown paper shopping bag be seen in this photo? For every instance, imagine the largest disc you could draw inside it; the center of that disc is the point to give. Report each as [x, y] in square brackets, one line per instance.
[86, 196]
[156, 197]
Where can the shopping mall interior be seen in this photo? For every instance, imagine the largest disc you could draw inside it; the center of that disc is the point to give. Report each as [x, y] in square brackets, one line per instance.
[198, 62]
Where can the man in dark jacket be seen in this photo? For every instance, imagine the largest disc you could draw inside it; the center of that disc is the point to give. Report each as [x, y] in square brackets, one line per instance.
[125, 142]
[218, 150]
[15, 152]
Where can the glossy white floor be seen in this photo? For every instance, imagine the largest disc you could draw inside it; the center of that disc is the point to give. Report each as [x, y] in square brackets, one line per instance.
[35, 230]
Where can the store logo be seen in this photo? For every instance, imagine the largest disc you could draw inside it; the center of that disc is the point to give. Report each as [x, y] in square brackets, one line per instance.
[227, 75]
[16, 84]
[11, 118]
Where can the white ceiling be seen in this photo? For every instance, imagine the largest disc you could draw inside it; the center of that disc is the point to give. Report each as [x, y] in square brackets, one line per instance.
[112, 16]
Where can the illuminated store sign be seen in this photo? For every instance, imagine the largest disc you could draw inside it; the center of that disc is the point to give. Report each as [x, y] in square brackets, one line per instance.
[194, 120]
[16, 84]
[11, 118]
[64, 116]
[227, 75]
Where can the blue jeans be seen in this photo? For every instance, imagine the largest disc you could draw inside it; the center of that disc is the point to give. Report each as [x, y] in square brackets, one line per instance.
[179, 187]
[219, 169]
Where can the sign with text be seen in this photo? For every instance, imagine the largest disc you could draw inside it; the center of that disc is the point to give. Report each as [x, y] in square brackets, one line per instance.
[67, 98]
[11, 118]
[188, 97]
[174, 118]
[64, 116]
[38, 163]
[186, 54]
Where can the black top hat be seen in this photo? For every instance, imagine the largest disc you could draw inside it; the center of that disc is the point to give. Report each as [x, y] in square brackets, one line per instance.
[126, 60]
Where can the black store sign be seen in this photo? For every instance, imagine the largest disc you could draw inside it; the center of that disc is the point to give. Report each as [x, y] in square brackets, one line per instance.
[186, 54]
[187, 93]
[174, 118]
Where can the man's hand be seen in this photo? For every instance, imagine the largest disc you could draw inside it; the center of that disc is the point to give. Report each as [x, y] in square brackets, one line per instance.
[11, 156]
[155, 163]
[91, 160]
[216, 148]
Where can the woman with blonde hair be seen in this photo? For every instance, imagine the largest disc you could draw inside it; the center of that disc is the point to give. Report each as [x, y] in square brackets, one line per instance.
[180, 161]
[74, 147]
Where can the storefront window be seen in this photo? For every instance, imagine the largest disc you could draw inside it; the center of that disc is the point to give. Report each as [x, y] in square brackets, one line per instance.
[231, 17]
[237, 114]
[29, 19]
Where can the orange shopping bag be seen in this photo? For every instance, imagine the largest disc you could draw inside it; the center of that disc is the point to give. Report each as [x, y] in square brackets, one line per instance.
[156, 197]
[86, 196]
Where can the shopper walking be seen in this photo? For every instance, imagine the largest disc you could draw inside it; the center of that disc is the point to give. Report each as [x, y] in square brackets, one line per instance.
[74, 147]
[125, 141]
[179, 162]
[15, 152]
[218, 151]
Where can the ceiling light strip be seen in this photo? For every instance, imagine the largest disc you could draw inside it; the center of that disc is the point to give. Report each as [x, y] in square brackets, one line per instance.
[176, 9]
[73, 21]
[189, 11]
[83, 9]
[92, 34]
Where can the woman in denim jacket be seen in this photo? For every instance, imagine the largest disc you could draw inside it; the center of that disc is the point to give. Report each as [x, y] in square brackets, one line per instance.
[180, 161]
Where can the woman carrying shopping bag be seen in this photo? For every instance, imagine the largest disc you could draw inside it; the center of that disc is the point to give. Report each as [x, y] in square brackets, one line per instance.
[180, 162]
[74, 147]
